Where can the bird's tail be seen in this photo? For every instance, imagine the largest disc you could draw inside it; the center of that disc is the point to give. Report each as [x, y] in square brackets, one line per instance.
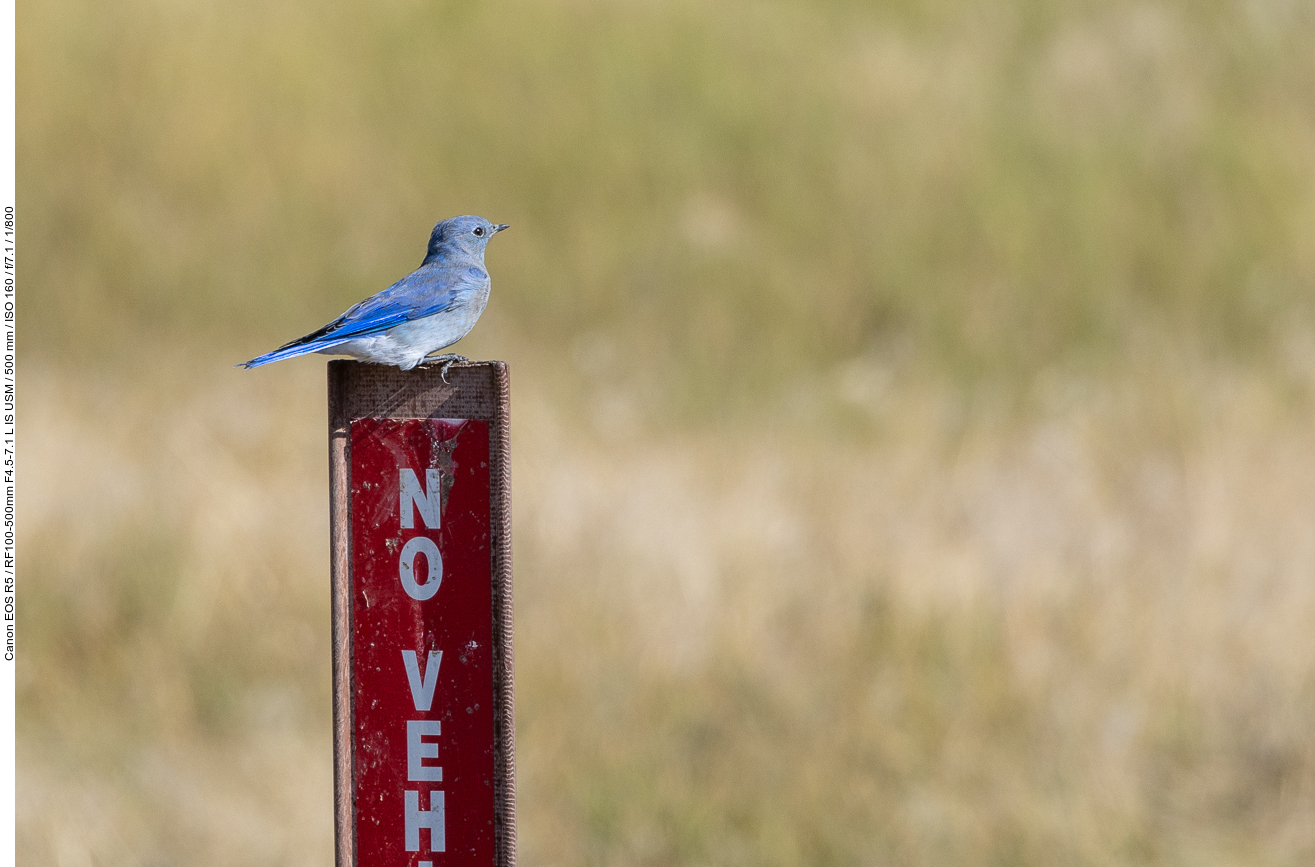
[290, 350]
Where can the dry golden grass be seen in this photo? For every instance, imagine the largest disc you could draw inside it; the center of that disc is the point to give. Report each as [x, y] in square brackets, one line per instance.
[939, 635]
[997, 187]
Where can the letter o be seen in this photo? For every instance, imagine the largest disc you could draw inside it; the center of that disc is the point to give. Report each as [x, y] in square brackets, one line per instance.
[406, 568]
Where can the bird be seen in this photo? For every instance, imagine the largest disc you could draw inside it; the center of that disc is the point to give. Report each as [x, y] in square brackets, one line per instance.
[427, 310]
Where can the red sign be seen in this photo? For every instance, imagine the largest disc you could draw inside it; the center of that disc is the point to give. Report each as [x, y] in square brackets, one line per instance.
[422, 687]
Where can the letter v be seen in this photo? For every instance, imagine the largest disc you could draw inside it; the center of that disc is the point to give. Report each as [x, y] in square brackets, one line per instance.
[422, 685]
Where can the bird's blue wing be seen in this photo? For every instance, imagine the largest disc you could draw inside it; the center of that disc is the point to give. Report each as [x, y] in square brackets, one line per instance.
[415, 296]
[426, 292]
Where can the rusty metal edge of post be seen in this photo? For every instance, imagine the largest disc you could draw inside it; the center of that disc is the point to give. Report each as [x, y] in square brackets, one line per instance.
[341, 612]
[342, 409]
[504, 668]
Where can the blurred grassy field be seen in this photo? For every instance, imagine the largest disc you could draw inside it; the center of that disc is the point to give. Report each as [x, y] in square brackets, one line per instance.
[913, 423]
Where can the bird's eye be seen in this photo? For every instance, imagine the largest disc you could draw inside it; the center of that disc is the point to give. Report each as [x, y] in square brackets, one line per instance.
[479, 231]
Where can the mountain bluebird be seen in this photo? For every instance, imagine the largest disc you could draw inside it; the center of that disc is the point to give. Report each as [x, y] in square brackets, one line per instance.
[427, 310]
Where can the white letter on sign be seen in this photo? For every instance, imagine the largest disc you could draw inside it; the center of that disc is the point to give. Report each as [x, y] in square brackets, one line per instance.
[417, 590]
[431, 819]
[417, 750]
[422, 683]
[410, 494]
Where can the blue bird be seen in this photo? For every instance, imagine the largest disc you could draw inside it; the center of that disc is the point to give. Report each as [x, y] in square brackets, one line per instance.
[427, 310]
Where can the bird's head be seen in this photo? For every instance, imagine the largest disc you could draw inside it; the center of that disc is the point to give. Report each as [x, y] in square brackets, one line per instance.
[462, 235]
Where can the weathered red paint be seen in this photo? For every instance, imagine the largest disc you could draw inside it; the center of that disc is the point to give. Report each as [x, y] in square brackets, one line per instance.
[457, 620]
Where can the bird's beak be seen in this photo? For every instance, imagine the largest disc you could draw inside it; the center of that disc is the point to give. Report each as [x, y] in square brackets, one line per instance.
[499, 228]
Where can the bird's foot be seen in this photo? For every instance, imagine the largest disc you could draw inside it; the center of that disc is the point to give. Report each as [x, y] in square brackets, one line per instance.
[446, 361]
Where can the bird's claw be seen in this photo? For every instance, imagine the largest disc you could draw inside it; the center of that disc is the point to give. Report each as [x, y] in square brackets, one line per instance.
[445, 362]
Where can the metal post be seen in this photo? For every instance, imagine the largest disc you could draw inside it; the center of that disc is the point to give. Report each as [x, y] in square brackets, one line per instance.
[407, 476]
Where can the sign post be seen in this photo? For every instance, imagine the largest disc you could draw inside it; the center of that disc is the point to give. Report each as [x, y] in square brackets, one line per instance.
[423, 712]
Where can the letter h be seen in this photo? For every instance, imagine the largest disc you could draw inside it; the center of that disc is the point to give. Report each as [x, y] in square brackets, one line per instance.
[431, 819]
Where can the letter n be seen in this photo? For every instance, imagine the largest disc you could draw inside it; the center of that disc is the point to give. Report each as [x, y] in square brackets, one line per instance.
[412, 497]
